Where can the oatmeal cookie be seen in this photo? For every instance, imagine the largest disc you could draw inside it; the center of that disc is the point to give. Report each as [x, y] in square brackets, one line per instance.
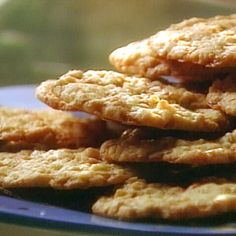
[208, 42]
[139, 59]
[135, 146]
[194, 49]
[49, 128]
[60, 169]
[139, 199]
[130, 100]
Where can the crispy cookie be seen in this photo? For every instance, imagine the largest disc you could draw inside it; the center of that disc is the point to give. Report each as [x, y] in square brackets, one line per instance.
[49, 127]
[131, 100]
[61, 169]
[135, 146]
[138, 199]
[139, 59]
[222, 95]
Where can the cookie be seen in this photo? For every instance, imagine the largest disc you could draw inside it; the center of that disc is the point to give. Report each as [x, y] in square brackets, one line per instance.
[50, 128]
[194, 49]
[222, 95]
[130, 100]
[60, 169]
[135, 146]
[139, 59]
[138, 199]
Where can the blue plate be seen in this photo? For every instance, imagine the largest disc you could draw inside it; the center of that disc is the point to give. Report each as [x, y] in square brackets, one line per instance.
[48, 215]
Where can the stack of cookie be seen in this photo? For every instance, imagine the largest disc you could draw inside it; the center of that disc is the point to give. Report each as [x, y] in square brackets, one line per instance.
[50, 148]
[174, 155]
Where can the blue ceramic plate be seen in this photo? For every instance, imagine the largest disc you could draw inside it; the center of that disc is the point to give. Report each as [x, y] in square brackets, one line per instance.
[29, 212]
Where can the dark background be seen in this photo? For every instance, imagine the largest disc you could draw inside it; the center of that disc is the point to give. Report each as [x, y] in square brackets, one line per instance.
[42, 39]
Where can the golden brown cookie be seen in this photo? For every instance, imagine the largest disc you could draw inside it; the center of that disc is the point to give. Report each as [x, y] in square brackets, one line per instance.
[61, 169]
[130, 100]
[139, 59]
[135, 146]
[49, 127]
[194, 49]
[139, 199]
[222, 95]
